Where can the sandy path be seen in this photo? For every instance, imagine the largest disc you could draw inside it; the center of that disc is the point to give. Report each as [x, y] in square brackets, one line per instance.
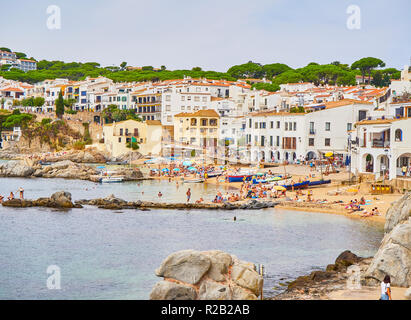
[366, 293]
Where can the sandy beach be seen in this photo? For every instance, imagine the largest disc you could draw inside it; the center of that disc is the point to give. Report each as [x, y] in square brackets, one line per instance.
[325, 197]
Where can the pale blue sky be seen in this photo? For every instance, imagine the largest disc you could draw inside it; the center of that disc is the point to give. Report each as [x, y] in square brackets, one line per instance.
[212, 34]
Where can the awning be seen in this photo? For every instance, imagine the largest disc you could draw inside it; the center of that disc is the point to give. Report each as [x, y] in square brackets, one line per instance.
[379, 129]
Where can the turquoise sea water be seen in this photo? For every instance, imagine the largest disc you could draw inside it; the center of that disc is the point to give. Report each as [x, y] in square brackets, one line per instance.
[104, 254]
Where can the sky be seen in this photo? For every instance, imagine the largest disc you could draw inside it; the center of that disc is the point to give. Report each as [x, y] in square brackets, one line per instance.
[212, 34]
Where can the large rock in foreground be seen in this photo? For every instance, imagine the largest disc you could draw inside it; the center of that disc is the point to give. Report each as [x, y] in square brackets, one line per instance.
[206, 275]
[393, 258]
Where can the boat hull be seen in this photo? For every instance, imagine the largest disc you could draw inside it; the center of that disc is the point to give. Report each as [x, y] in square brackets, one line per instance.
[300, 185]
[239, 178]
[317, 183]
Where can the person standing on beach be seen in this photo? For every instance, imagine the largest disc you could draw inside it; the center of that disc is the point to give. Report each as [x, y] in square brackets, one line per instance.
[386, 288]
[188, 193]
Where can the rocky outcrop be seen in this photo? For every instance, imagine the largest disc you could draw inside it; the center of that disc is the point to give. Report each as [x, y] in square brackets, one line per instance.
[15, 168]
[206, 275]
[59, 199]
[398, 212]
[66, 169]
[112, 202]
[393, 257]
[89, 155]
[343, 261]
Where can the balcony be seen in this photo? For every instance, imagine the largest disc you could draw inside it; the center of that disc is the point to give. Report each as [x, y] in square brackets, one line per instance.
[311, 131]
[378, 143]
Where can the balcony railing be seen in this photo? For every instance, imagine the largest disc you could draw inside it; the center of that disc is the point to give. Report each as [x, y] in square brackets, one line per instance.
[376, 143]
[311, 131]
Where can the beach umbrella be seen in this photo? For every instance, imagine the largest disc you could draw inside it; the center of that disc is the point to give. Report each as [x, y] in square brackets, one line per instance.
[329, 154]
[176, 169]
[187, 163]
[100, 167]
[165, 169]
[154, 169]
[192, 169]
[279, 188]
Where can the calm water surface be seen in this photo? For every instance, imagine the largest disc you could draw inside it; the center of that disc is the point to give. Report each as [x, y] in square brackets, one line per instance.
[106, 254]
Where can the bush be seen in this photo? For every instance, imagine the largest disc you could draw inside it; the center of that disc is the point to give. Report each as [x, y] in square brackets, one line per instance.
[79, 145]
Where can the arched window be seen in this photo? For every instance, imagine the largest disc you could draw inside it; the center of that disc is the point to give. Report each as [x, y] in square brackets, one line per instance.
[398, 135]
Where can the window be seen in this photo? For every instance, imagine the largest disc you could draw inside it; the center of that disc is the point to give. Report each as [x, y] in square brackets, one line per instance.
[250, 122]
[204, 99]
[272, 125]
[121, 132]
[312, 131]
[271, 141]
[278, 141]
[256, 125]
[327, 142]
[189, 98]
[168, 107]
[311, 142]
[183, 107]
[349, 126]
[196, 98]
[183, 98]
[278, 124]
[168, 98]
[295, 126]
[327, 126]
[398, 135]
[168, 118]
[262, 141]
[119, 139]
[286, 126]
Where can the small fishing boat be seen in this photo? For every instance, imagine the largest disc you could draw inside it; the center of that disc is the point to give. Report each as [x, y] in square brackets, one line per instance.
[270, 179]
[194, 181]
[298, 185]
[44, 163]
[239, 178]
[319, 182]
[112, 179]
[214, 174]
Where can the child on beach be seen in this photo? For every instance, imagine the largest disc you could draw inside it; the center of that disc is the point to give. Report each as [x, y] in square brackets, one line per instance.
[188, 193]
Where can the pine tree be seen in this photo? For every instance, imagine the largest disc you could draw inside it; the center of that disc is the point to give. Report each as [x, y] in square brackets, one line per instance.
[60, 106]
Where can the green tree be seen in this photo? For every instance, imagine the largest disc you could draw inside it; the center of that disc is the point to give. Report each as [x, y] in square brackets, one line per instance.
[274, 69]
[367, 65]
[123, 65]
[60, 106]
[38, 101]
[246, 70]
[196, 69]
[20, 55]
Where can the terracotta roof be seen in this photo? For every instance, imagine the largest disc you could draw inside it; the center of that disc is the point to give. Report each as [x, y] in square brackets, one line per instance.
[11, 89]
[199, 113]
[344, 102]
[153, 122]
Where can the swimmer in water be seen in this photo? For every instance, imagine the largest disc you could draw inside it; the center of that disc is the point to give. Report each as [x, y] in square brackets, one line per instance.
[235, 218]
[160, 194]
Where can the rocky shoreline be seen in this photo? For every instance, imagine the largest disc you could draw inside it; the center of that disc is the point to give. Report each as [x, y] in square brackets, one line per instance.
[393, 258]
[113, 203]
[62, 169]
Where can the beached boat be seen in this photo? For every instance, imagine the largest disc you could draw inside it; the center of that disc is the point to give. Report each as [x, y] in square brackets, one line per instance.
[214, 174]
[44, 163]
[111, 179]
[117, 162]
[270, 179]
[239, 178]
[193, 181]
[298, 185]
[319, 182]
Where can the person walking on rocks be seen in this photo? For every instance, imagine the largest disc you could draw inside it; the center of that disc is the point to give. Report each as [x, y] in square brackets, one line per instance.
[386, 288]
[188, 193]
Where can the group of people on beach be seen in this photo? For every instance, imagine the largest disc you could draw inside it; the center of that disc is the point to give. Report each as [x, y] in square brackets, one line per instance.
[12, 196]
[355, 206]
